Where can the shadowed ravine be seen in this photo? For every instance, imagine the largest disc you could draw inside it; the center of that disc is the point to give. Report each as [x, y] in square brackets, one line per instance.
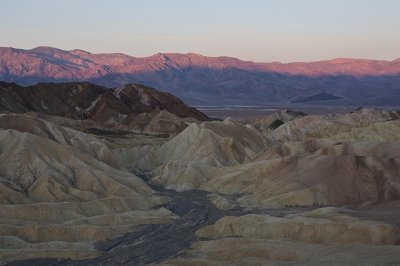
[155, 243]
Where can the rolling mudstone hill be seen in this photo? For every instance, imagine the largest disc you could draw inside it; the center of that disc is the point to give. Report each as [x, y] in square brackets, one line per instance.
[203, 80]
[85, 180]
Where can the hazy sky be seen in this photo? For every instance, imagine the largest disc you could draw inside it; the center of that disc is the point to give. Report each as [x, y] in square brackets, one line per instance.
[258, 30]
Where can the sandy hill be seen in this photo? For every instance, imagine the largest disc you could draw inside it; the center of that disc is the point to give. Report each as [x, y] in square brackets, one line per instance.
[309, 160]
[87, 179]
[59, 191]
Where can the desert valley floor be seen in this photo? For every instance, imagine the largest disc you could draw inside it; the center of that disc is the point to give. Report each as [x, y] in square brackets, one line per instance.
[133, 176]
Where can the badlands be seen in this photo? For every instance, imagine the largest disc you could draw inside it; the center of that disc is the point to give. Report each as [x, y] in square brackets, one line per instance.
[133, 176]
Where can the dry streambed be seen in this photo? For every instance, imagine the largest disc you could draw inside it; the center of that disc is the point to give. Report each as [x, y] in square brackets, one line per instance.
[156, 243]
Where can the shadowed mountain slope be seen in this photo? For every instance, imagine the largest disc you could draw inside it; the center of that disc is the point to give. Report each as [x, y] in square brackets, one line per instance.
[132, 107]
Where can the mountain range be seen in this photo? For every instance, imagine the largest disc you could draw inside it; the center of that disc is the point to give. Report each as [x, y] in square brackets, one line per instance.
[202, 80]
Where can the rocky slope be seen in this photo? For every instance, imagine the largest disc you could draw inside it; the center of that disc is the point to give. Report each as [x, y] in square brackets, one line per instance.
[86, 186]
[212, 80]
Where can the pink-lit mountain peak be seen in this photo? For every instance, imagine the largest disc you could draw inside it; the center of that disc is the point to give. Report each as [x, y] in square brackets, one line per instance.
[56, 63]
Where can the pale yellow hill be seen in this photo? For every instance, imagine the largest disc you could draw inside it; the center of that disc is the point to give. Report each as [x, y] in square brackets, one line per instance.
[57, 194]
[326, 236]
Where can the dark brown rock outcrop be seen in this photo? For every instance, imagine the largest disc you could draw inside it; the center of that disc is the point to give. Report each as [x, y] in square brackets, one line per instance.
[129, 108]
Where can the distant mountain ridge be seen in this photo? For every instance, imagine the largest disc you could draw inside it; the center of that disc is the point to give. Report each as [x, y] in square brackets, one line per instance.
[57, 63]
[208, 80]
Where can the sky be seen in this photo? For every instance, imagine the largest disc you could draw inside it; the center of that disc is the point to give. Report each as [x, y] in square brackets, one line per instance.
[257, 30]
